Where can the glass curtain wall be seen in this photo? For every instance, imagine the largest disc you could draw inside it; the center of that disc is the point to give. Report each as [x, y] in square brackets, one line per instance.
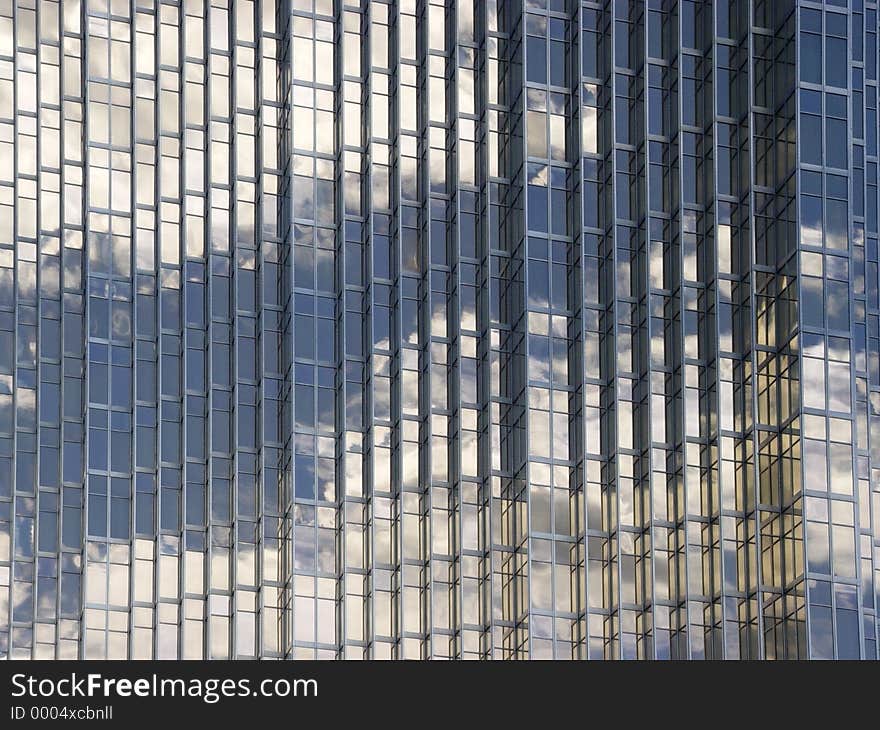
[454, 329]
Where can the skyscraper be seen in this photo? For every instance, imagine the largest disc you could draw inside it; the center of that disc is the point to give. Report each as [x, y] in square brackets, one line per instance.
[439, 329]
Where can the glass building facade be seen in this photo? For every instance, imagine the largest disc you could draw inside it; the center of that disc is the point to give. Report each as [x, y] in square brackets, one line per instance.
[439, 329]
